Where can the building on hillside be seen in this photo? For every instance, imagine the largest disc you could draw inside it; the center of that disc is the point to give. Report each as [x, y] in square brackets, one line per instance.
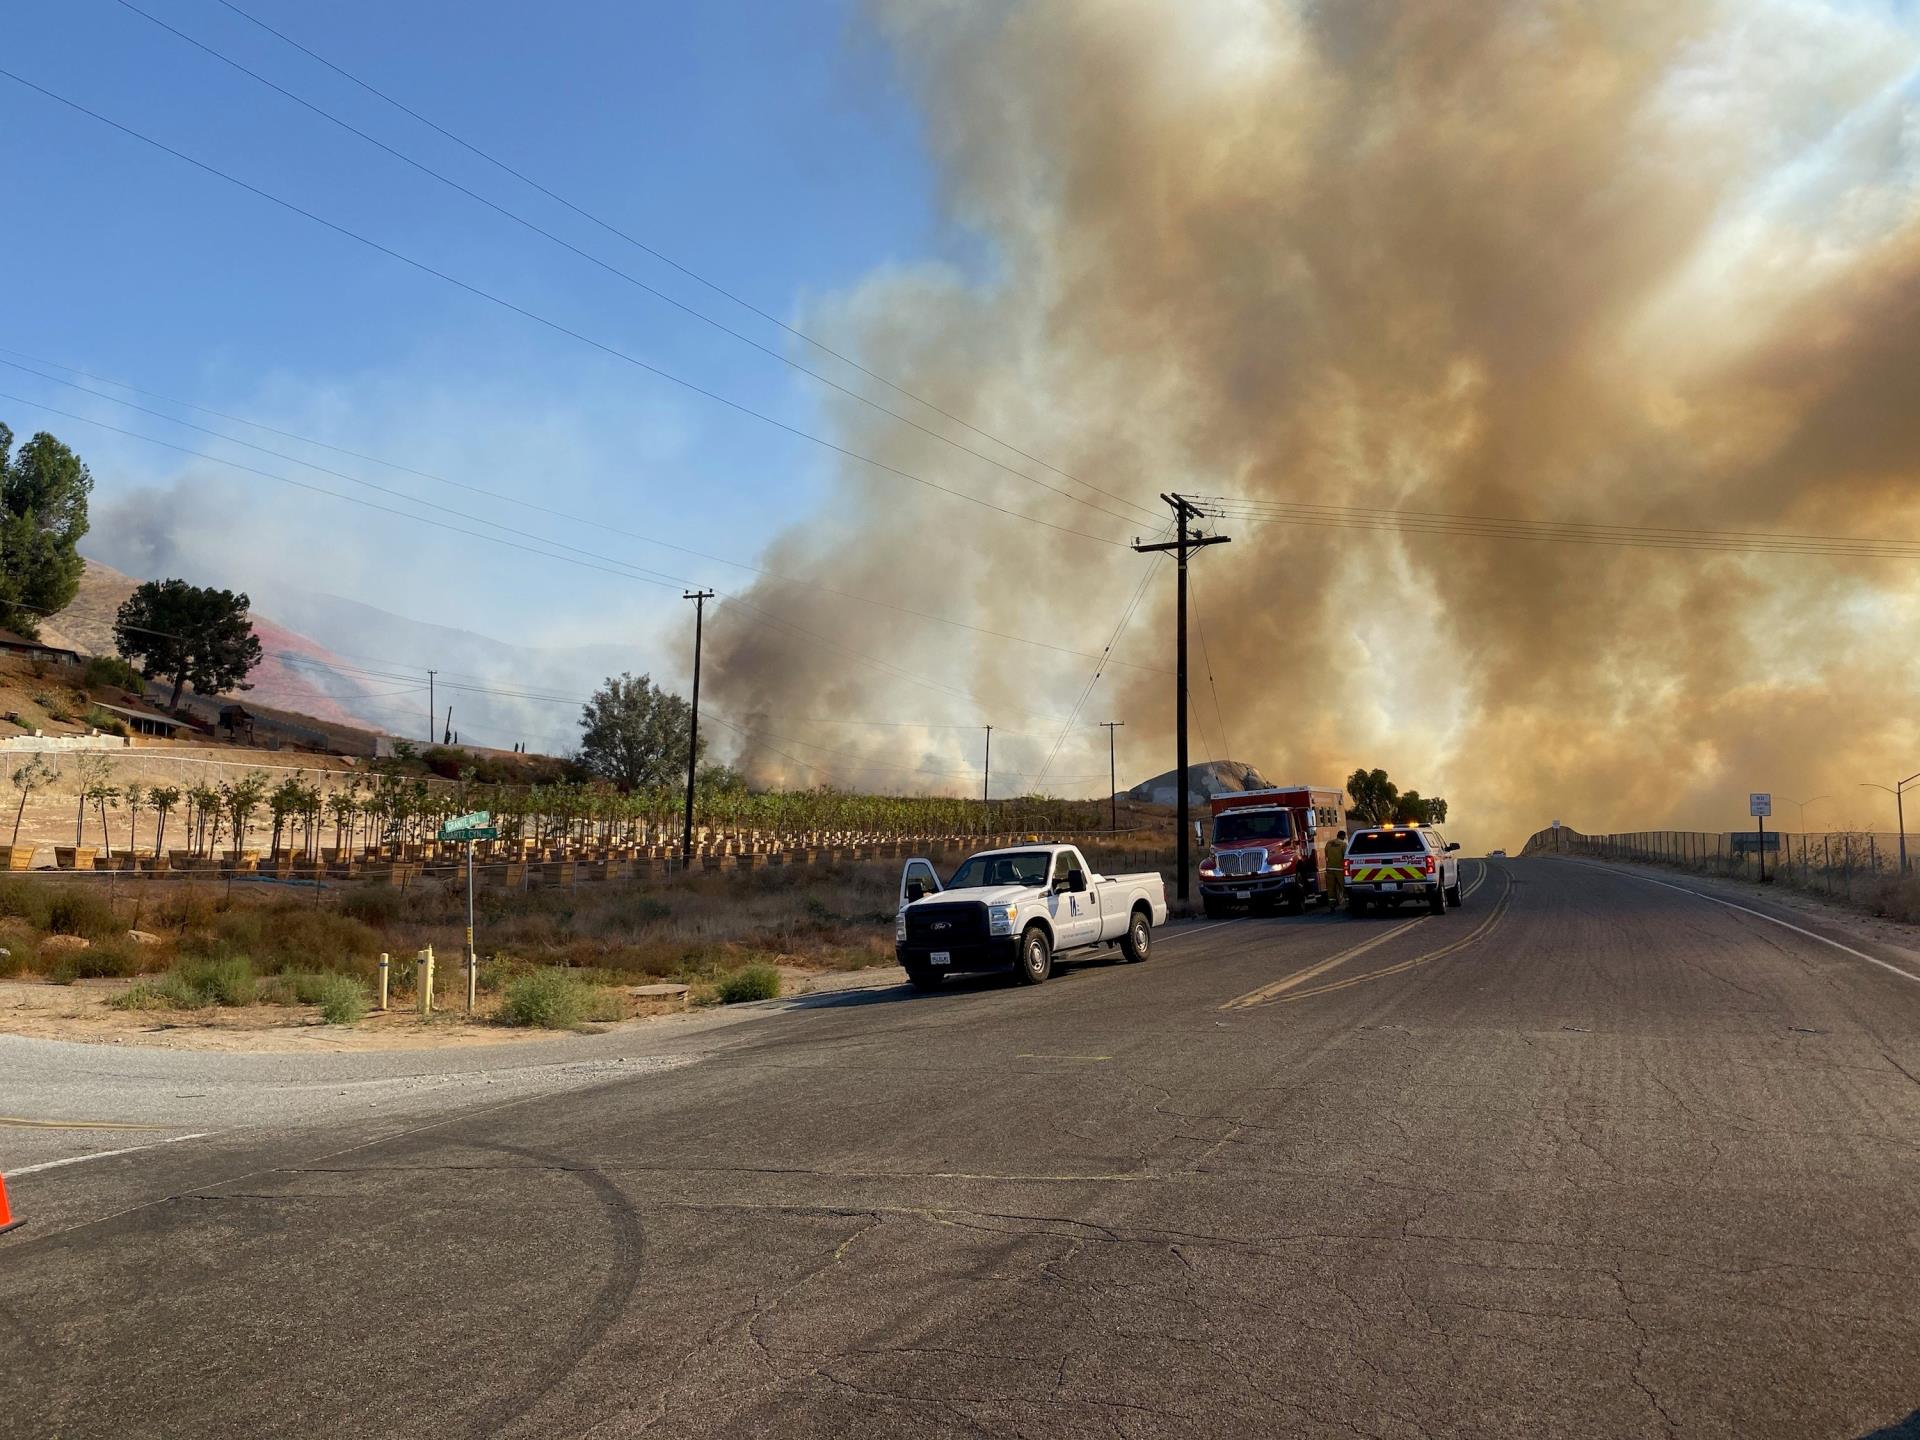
[237, 721]
[12, 644]
[143, 722]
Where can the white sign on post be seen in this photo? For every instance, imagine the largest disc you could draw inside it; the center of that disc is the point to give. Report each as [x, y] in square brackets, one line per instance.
[1759, 803]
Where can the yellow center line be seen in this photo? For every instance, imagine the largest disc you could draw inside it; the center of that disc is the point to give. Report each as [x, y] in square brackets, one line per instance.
[1301, 977]
[1479, 933]
[25, 1123]
[1063, 1057]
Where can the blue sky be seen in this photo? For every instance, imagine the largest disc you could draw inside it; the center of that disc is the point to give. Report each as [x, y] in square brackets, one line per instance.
[767, 146]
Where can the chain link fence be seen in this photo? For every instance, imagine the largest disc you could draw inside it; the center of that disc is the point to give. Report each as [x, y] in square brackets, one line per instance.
[1859, 866]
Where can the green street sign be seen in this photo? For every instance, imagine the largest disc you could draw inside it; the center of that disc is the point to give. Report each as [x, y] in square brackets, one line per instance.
[477, 826]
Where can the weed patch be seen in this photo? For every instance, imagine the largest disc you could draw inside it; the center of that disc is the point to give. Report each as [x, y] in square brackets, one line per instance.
[753, 982]
[546, 999]
[343, 1000]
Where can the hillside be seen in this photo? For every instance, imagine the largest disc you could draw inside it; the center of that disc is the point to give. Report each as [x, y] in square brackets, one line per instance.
[282, 681]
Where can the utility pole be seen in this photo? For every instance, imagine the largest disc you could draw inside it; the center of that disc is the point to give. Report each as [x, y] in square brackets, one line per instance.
[446, 735]
[431, 712]
[699, 598]
[1183, 511]
[1113, 776]
[986, 782]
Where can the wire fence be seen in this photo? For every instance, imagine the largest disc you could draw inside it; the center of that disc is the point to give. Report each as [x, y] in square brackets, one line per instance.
[1859, 866]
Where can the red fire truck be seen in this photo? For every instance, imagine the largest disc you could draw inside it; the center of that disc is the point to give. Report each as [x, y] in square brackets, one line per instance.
[1270, 847]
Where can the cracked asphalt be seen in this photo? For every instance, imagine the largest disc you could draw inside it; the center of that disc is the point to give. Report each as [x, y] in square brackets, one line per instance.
[1624, 1163]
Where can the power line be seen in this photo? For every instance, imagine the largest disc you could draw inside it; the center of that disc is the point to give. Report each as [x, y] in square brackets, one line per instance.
[614, 270]
[1497, 527]
[626, 573]
[1094, 679]
[1226, 745]
[669, 261]
[500, 495]
[554, 325]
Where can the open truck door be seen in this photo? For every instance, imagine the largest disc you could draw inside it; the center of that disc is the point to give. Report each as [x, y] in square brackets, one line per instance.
[917, 878]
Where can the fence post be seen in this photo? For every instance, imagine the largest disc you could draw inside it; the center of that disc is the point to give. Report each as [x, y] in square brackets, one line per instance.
[383, 979]
[423, 982]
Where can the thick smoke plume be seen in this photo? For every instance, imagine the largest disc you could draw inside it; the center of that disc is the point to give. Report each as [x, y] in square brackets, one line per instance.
[1640, 264]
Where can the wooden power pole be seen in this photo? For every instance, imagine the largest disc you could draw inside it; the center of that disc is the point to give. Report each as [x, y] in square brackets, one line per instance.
[1184, 541]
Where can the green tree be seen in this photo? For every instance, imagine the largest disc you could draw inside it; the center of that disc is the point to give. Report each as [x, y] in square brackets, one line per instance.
[1373, 796]
[36, 774]
[1417, 809]
[240, 798]
[634, 734]
[180, 632]
[43, 514]
[163, 798]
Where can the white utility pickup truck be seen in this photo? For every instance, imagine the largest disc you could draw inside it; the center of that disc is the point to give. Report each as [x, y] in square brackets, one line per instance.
[1016, 910]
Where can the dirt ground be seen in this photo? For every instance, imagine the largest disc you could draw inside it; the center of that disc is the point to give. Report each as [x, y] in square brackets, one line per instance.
[80, 1012]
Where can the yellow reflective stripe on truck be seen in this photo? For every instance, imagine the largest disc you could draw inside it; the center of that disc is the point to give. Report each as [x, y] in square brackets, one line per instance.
[1368, 874]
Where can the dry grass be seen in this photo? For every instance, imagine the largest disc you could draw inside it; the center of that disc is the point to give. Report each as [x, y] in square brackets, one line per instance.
[710, 931]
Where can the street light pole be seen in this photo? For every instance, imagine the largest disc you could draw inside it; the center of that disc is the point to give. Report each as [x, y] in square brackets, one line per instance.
[1899, 792]
[1810, 800]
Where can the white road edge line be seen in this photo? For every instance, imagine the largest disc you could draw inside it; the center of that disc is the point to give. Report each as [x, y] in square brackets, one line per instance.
[105, 1154]
[1772, 920]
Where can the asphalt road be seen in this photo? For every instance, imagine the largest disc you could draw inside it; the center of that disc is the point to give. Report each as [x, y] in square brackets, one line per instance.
[1592, 1156]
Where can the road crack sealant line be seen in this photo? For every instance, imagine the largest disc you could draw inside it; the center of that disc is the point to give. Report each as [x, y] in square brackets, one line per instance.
[1275, 992]
[1758, 915]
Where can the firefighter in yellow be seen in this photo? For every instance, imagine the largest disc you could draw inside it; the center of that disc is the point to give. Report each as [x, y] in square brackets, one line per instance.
[1336, 869]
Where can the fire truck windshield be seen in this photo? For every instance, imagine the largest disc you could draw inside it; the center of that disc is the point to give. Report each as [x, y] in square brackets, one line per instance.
[1237, 825]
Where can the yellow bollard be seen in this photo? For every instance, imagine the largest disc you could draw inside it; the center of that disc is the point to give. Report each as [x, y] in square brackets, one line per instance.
[383, 979]
[423, 980]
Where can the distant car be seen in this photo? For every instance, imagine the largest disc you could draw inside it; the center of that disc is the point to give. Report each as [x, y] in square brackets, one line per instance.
[1496, 854]
[1391, 864]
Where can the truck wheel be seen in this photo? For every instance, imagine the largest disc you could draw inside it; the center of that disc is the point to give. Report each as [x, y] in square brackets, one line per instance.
[1356, 904]
[1214, 908]
[1036, 957]
[1453, 895]
[922, 978]
[1438, 904]
[1296, 901]
[1138, 939]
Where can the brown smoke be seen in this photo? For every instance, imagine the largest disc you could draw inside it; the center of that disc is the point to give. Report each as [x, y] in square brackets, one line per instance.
[1641, 264]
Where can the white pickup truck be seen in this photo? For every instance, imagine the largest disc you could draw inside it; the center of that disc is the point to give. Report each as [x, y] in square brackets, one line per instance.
[1016, 909]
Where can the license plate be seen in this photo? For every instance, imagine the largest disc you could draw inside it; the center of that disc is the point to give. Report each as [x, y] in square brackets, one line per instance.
[940, 957]
[1389, 884]
[1243, 894]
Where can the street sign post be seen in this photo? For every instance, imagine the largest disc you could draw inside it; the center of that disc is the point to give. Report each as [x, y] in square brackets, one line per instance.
[465, 829]
[1760, 805]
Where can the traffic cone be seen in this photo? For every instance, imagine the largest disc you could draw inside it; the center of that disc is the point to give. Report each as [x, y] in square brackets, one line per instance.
[7, 1222]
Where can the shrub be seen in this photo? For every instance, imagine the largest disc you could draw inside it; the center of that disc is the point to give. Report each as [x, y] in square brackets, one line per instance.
[343, 1000]
[15, 955]
[81, 912]
[101, 720]
[293, 987]
[169, 992]
[105, 671]
[141, 995]
[547, 999]
[754, 982]
[103, 960]
[25, 900]
[222, 980]
[373, 904]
